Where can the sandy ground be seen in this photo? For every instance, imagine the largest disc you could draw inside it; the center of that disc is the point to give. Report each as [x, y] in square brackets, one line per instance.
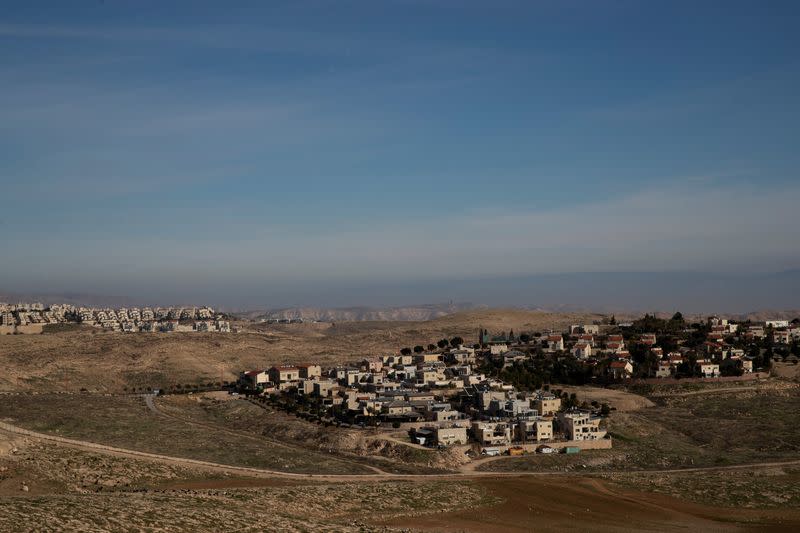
[515, 502]
[583, 504]
[786, 370]
[91, 359]
[620, 400]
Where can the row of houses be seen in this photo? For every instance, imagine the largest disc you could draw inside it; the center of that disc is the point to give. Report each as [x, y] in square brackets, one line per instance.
[129, 320]
[607, 350]
[440, 390]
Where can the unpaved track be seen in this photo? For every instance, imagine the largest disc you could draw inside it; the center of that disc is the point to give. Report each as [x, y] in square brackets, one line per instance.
[711, 391]
[149, 400]
[261, 472]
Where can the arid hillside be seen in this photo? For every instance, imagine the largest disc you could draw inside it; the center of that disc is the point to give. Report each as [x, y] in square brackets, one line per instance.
[95, 360]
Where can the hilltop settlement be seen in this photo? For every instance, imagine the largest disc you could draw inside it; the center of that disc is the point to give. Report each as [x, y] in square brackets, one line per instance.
[500, 390]
[26, 317]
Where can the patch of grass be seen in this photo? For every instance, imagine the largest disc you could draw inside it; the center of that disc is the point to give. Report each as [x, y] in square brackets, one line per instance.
[723, 428]
[64, 328]
[757, 489]
[126, 422]
[321, 507]
[355, 445]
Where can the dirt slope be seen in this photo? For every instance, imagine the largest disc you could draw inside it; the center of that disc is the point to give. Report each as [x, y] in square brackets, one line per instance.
[91, 359]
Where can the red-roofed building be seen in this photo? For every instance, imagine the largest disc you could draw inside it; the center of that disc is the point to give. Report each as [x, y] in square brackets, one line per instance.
[582, 350]
[284, 376]
[555, 342]
[309, 371]
[615, 347]
[254, 379]
[587, 339]
[711, 348]
[657, 351]
[621, 369]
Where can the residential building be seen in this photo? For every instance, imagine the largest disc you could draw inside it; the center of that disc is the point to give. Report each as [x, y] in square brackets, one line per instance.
[492, 433]
[309, 371]
[620, 369]
[555, 342]
[546, 404]
[581, 425]
[709, 370]
[284, 376]
[536, 430]
[448, 436]
[582, 350]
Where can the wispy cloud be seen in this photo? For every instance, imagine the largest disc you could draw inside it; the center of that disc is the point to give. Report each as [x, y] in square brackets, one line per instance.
[674, 228]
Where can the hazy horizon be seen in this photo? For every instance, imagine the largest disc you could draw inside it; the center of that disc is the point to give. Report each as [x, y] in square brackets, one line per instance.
[396, 153]
[688, 292]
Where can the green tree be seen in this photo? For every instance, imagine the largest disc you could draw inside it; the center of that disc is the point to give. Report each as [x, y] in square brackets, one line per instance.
[795, 348]
[418, 349]
[456, 341]
[731, 367]
[405, 351]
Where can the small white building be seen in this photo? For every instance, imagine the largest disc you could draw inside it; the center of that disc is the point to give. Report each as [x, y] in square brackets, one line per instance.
[582, 350]
[709, 370]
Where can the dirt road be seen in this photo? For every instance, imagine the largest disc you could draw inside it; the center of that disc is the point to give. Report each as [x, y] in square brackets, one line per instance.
[466, 471]
[149, 399]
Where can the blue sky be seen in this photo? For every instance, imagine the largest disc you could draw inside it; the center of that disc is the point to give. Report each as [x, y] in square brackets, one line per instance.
[194, 150]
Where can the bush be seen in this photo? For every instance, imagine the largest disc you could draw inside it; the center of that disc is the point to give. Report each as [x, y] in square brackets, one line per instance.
[395, 424]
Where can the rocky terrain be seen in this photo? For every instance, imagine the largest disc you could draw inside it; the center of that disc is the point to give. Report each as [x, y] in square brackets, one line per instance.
[86, 358]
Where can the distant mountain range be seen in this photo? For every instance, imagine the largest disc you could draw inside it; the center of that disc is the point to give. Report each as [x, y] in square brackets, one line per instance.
[350, 314]
[429, 312]
[70, 298]
[605, 292]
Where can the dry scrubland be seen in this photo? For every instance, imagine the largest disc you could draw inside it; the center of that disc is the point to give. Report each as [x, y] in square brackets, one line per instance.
[229, 432]
[688, 426]
[83, 491]
[363, 447]
[219, 428]
[71, 490]
[44, 486]
[587, 504]
[74, 358]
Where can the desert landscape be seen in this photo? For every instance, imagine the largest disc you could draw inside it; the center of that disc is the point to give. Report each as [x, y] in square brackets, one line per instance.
[85, 446]
[399, 266]
[80, 357]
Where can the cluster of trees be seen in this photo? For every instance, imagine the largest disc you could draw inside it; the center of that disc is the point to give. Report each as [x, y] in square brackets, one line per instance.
[442, 344]
[534, 373]
[652, 324]
[178, 388]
